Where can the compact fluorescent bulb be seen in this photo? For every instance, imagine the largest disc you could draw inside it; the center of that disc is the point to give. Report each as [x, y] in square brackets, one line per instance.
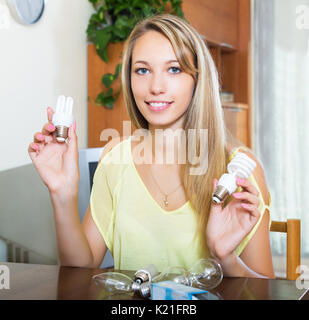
[241, 166]
[63, 118]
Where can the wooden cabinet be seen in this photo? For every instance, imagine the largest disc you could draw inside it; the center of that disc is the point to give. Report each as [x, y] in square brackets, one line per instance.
[225, 25]
[217, 20]
[235, 117]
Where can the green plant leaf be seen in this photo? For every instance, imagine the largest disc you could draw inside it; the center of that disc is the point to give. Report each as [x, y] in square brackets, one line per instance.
[122, 7]
[108, 79]
[102, 38]
[106, 99]
[103, 54]
[108, 102]
[100, 98]
[101, 41]
[118, 69]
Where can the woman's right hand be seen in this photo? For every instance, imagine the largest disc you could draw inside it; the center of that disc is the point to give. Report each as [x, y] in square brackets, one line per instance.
[56, 162]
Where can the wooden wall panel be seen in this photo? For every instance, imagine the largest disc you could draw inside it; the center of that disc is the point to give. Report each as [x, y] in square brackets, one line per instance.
[215, 19]
[99, 117]
[244, 61]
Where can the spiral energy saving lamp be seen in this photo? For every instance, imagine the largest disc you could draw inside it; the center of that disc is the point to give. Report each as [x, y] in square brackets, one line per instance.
[241, 166]
[63, 118]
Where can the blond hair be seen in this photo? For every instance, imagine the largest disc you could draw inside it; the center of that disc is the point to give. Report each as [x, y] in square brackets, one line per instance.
[204, 111]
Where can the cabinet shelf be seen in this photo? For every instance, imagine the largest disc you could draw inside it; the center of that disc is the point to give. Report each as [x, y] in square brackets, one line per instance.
[223, 47]
[235, 105]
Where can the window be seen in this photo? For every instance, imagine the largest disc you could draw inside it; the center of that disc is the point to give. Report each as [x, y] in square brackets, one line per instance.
[281, 113]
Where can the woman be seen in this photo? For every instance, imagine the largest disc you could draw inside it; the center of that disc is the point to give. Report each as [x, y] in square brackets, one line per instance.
[160, 211]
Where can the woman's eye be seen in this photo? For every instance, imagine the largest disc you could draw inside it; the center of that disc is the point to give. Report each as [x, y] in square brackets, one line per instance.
[174, 69]
[141, 71]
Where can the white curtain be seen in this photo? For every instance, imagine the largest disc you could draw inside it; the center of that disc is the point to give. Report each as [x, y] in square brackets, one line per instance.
[281, 111]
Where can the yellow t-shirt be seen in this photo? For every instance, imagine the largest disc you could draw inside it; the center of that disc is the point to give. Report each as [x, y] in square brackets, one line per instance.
[135, 228]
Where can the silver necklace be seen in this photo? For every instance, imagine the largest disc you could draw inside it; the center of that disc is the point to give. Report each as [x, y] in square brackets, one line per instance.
[165, 195]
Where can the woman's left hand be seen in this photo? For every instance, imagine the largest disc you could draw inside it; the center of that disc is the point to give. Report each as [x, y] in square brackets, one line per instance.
[227, 227]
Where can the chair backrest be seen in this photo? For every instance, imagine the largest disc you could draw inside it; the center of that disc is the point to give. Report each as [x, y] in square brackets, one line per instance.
[292, 228]
[88, 161]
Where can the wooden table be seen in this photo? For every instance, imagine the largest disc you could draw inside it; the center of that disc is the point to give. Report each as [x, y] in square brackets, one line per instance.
[47, 282]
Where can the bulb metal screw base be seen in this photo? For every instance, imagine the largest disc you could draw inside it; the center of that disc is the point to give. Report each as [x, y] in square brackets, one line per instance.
[142, 289]
[145, 290]
[62, 133]
[141, 276]
[220, 194]
[145, 274]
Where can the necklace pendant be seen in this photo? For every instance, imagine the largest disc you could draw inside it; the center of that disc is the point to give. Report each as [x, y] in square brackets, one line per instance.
[165, 202]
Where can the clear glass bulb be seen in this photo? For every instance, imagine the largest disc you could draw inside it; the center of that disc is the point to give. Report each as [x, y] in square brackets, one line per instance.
[114, 282]
[205, 274]
[176, 274]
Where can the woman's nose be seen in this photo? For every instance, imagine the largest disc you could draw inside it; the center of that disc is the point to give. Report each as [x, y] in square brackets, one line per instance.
[157, 84]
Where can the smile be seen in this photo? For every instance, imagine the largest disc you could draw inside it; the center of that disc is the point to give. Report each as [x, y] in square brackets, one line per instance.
[158, 105]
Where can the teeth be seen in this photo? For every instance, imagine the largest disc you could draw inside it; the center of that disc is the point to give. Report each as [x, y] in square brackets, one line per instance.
[160, 104]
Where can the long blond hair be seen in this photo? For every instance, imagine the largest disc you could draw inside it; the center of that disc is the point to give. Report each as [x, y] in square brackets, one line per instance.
[204, 111]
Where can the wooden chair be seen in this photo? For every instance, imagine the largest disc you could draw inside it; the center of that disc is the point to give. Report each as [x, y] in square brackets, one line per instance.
[292, 228]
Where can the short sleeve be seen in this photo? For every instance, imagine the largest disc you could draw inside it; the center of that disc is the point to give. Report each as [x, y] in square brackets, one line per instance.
[262, 208]
[101, 204]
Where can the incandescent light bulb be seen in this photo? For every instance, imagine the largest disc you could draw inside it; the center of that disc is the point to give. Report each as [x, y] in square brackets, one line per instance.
[115, 282]
[176, 274]
[145, 274]
[205, 274]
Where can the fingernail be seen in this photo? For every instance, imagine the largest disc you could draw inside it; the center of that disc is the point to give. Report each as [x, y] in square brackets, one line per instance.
[245, 205]
[40, 136]
[36, 146]
[240, 180]
[237, 195]
[51, 127]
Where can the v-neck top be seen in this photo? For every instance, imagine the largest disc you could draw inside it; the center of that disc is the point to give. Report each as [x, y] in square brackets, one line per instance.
[135, 228]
